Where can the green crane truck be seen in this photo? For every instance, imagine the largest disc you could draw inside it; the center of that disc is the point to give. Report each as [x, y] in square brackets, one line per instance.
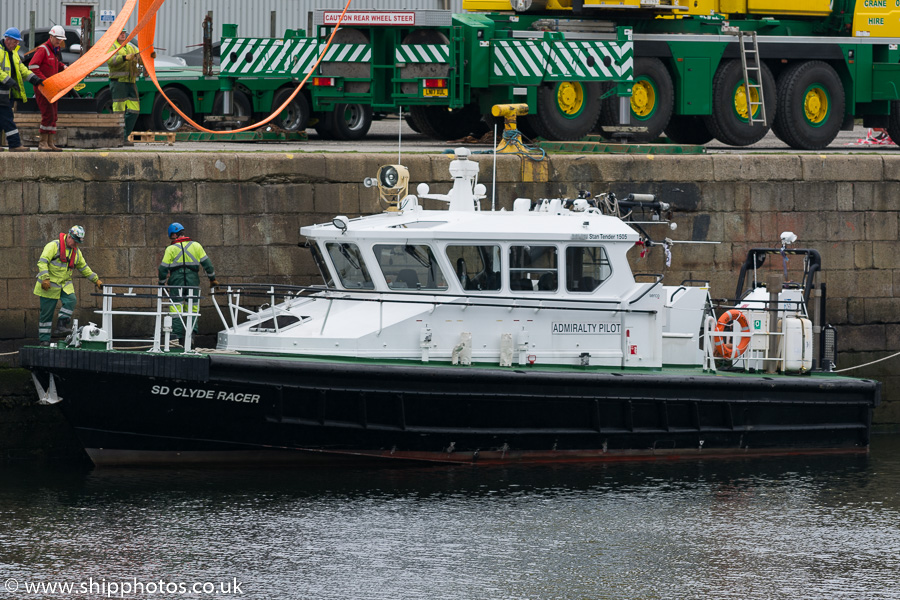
[697, 70]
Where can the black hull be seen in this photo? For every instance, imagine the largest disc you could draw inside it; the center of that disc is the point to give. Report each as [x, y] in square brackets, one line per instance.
[229, 408]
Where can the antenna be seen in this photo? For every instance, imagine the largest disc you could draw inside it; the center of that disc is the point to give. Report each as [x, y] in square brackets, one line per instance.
[400, 137]
[494, 177]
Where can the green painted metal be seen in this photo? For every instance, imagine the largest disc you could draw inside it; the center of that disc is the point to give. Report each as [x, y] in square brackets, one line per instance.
[591, 146]
[244, 136]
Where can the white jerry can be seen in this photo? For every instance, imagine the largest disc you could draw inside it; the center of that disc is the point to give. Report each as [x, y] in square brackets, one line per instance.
[798, 344]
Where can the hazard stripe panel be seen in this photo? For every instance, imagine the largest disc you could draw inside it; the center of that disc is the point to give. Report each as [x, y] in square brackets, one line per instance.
[273, 57]
[422, 53]
[525, 62]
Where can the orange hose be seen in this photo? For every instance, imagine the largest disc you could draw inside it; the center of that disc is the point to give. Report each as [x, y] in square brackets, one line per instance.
[151, 71]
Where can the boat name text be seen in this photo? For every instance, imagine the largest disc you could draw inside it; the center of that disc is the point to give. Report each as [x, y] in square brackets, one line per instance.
[591, 328]
[179, 392]
[599, 236]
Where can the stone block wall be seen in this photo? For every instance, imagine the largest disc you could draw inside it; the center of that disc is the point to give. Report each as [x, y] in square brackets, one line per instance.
[247, 208]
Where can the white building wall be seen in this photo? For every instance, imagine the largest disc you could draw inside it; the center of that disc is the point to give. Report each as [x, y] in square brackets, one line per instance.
[179, 22]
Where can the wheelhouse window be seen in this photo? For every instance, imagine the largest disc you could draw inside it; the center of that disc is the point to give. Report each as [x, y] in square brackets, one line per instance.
[350, 266]
[320, 264]
[476, 267]
[533, 268]
[586, 268]
[410, 267]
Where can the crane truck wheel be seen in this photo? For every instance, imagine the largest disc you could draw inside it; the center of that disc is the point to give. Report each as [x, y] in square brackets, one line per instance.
[566, 110]
[439, 123]
[652, 100]
[163, 118]
[241, 105]
[104, 101]
[810, 106]
[893, 127]
[729, 121]
[296, 116]
[347, 122]
[688, 129]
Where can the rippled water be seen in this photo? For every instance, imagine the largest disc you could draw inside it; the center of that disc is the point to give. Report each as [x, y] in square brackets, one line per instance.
[797, 528]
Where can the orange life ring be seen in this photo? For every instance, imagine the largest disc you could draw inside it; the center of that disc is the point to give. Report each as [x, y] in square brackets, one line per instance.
[724, 349]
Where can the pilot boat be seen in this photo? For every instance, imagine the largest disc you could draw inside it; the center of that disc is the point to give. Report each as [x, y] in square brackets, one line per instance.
[459, 334]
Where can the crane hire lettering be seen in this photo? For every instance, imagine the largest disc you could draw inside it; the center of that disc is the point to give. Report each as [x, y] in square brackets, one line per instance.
[180, 392]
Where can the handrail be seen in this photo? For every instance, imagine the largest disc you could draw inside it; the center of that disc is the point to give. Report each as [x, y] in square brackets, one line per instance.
[659, 278]
[159, 343]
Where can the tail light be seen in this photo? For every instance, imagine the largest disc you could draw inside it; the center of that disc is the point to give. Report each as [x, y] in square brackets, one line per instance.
[435, 83]
[323, 81]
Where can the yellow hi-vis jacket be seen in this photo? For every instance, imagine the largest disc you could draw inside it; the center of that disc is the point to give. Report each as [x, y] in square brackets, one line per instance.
[60, 275]
[14, 72]
[119, 68]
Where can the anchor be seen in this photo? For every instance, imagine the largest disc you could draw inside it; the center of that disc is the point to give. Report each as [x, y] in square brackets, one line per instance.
[49, 396]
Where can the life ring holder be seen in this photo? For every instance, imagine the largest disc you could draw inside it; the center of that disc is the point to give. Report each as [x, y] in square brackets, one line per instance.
[725, 349]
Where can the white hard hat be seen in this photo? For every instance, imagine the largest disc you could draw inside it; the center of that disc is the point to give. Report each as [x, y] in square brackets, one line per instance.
[58, 32]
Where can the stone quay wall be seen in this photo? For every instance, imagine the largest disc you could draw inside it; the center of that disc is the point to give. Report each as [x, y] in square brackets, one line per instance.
[246, 209]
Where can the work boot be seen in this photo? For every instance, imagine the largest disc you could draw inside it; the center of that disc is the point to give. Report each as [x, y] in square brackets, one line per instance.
[44, 144]
[19, 149]
[51, 140]
[63, 327]
[44, 344]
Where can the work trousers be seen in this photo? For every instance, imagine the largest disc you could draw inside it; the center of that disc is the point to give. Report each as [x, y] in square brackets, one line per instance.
[49, 112]
[8, 124]
[125, 99]
[48, 307]
[178, 312]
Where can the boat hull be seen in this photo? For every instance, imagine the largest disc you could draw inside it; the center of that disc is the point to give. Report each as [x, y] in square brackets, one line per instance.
[139, 408]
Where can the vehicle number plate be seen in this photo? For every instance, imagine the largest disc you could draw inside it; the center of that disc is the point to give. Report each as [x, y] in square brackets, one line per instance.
[430, 92]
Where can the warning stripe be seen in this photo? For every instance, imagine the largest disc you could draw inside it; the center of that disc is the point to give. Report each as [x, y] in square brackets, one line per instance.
[530, 59]
[422, 53]
[289, 57]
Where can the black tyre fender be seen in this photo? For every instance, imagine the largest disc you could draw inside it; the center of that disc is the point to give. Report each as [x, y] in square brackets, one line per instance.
[296, 116]
[810, 105]
[566, 110]
[725, 123]
[163, 118]
[652, 100]
[688, 129]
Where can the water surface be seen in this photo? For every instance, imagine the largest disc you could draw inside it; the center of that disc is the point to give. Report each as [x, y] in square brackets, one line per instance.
[762, 528]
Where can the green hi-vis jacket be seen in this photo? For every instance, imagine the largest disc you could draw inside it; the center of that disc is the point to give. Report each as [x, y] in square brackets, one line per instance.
[14, 73]
[51, 266]
[182, 261]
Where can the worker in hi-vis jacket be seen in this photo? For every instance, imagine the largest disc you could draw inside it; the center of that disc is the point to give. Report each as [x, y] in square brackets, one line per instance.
[181, 266]
[58, 261]
[123, 72]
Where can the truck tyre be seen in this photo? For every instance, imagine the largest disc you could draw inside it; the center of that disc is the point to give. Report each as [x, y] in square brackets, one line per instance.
[810, 106]
[567, 110]
[441, 124]
[730, 109]
[652, 100]
[411, 122]
[163, 118]
[688, 129]
[296, 116]
[104, 101]
[242, 107]
[893, 127]
[347, 122]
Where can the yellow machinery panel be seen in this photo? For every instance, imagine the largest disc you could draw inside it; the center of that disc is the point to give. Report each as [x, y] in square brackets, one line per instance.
[876, 18]
[776, 7]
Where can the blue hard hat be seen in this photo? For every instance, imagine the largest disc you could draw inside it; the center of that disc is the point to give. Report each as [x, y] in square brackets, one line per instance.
[175, 228]
[13, 33]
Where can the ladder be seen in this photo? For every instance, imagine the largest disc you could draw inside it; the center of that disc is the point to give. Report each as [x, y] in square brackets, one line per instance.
[752, 68]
